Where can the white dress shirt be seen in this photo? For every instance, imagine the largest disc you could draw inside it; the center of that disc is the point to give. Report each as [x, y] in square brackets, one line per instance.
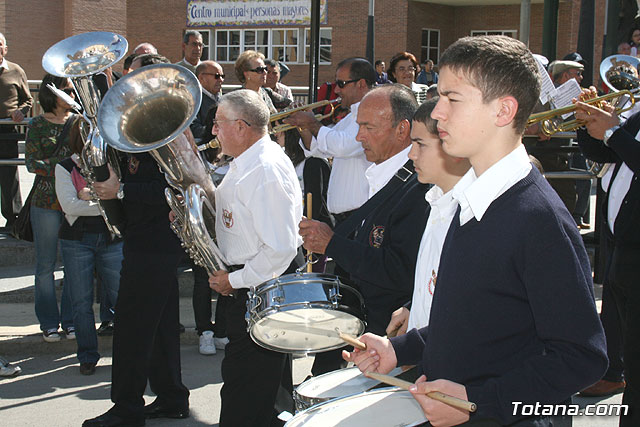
[474, 194]
[618, 191]
[378, 175]
[443, 208]
[4, 64]
[258, 208]
[348, 188]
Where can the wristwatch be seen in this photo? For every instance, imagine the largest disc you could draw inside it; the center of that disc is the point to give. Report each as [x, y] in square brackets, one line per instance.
[120, 193]
[608, 133]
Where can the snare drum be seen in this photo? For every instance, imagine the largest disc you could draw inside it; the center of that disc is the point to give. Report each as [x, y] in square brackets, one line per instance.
[340, 383]
[385, 407]
[302, 313]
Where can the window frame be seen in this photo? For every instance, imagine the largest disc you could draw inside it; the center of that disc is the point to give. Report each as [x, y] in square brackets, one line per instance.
[307, 31]
[428, 47]
[512, 33]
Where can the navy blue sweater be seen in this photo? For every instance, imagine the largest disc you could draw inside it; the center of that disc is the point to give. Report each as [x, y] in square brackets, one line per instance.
[513, 315]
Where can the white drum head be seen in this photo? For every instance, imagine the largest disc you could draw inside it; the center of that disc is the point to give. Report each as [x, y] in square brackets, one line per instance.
[340, 383]
[382, 408]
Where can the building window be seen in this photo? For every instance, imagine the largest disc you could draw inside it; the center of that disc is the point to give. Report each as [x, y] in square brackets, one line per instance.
[284, 45]
[227, 45]
[509, 33]
[278, 44]
[325, 45]
[257, 40]
[206, 43]
[430, 48]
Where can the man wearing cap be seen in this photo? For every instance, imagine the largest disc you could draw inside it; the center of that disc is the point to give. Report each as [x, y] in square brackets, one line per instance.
[564, 70]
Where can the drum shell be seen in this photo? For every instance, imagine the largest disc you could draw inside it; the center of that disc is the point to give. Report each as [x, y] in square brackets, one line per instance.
[299, 292]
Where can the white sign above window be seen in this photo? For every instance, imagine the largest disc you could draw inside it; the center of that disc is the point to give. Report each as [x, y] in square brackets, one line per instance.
[237, 13]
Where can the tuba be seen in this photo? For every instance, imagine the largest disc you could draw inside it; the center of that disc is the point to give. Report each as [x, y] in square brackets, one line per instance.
[620, 72]
[78, 58]
[149, 110]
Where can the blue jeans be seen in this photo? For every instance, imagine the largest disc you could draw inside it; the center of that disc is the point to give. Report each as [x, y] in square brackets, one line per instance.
[80, 258]
[45, 224]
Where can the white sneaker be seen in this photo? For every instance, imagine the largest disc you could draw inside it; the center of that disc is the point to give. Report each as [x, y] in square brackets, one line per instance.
[207, 346]
[70, 333]
[51, 335]
[221, 343]
[7, 369]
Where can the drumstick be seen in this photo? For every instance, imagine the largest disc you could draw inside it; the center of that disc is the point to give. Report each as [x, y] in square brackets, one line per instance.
[355, 342]
[435, 395]
[309, 253]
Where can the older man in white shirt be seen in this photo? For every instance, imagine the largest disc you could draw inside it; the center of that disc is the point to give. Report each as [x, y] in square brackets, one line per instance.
[259, 204]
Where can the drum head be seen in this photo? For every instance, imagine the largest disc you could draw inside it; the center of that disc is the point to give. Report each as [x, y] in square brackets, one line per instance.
[384, 408]
[297, 313]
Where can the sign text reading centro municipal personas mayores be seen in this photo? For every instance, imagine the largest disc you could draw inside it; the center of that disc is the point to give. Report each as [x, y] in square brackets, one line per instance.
[252, 13]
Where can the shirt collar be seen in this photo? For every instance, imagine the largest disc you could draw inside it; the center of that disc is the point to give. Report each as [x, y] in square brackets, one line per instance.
[475, 194]
[246, 159]
[378, 175]
[4, 64]
[210, 95]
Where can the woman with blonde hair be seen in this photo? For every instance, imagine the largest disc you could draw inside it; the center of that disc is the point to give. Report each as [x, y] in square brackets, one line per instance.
[252, 73]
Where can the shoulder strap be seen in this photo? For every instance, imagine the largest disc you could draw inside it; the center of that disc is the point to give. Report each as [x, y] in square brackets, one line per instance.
[64, 133]
[399, 178]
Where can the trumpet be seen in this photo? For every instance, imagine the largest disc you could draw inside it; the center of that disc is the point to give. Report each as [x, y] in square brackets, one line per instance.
[550, 126]
[283, 115]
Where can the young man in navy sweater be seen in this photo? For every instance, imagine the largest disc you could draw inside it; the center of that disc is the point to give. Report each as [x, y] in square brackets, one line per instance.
[513, 321]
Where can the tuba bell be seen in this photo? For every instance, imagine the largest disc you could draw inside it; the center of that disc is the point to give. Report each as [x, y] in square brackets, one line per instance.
[78, 58]
[620, 72]
[149, 110]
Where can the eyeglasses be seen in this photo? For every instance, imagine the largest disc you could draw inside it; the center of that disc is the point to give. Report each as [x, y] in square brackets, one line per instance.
[217, 76]
[342, 83]
[68, 91]
[259, 70]
[408, 69]
[216, 122]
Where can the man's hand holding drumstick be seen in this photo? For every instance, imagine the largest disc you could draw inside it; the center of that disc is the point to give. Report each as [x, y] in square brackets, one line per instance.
[381, 357]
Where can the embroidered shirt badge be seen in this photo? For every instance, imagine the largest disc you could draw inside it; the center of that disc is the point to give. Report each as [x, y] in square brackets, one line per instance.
[133, 165]
[227, 218]
[376, 236]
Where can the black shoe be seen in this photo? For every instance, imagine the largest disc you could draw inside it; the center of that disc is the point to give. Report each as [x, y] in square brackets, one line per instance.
[158, 410]
[109, 419]
[105, 329]
[88, 368]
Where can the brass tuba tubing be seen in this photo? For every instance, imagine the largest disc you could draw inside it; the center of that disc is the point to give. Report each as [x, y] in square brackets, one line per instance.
[549, 127]
[284, 114]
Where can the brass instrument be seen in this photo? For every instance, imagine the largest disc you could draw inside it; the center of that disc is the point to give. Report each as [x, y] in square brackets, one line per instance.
[284, 114]
[149, 110]
[78, 58]
[620, 72]
[549, 119]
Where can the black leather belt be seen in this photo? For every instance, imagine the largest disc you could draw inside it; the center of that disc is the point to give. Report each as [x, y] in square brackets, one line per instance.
[342, 217]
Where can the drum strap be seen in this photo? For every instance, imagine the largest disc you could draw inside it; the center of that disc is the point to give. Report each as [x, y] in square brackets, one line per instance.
[355, 220]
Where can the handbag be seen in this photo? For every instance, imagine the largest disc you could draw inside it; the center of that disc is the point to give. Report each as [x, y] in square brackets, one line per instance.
[22, 229]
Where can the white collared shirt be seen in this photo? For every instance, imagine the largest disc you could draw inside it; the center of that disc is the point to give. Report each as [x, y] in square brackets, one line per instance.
[378, 175]
[476, 193]
[4, 64]
[258, 209]
[618, 191]
[348, 187]
[443, 208]
[215, 97]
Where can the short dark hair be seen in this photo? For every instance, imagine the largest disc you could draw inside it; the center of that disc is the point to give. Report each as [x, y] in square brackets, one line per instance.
[403, 102]
[423, 115]
[497, 66]
[271, 63]
[378, 62]
[189, 33]
[401, 56]
[49, 100]
[151, 58]
[359, 68]
[129, 60]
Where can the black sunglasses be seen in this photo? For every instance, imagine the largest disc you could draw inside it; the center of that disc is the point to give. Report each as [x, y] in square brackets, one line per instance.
[217, 76]
[68, 91]
[259, 70]
[342, 83]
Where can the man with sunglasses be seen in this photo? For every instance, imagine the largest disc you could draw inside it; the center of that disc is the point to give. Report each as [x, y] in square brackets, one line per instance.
[211, 76]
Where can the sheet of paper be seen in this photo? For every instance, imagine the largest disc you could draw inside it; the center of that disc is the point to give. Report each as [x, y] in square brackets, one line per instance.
[565, 93]
[547, 89]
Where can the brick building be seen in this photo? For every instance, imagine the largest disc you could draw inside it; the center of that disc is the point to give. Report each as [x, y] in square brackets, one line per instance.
[423, 27]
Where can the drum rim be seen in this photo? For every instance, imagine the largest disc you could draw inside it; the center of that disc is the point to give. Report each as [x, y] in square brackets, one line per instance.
[317, 406]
